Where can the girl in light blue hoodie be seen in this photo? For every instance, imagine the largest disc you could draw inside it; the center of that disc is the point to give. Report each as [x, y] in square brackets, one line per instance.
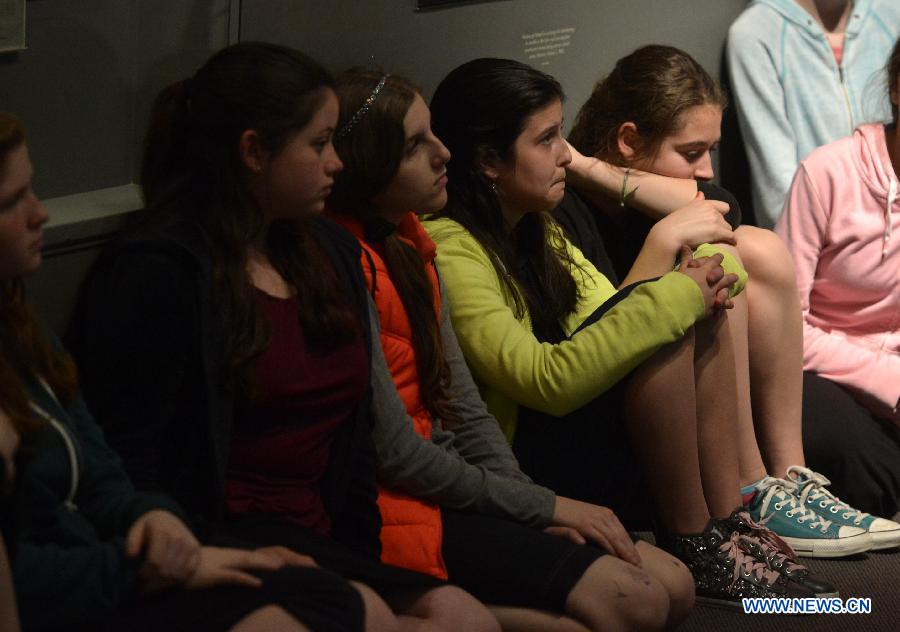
[805, 73]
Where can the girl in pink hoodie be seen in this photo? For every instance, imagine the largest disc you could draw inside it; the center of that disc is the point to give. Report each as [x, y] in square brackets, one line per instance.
[838, 223]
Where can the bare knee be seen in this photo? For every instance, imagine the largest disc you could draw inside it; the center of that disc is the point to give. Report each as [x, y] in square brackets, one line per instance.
[452, 608]
[614, 595]
[675, 578]
[269, 619]
[765, 257]
[378, 615]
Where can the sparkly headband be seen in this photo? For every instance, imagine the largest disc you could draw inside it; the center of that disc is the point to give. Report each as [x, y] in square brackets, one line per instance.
[361, 112]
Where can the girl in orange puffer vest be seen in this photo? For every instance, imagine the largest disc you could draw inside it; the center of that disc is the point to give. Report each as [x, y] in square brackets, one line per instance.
[439, 452]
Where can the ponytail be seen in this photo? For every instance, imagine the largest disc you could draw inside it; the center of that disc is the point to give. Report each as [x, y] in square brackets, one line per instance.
[166, 166]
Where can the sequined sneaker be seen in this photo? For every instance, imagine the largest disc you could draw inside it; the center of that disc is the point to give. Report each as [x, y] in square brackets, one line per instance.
[884, 533]
[765, 545]
[777, 507]
[724, 571]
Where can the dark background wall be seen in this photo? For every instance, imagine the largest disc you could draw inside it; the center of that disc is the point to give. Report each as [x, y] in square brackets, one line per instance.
[577, 41]
[84, 87]
[426, 45]
[85, 82]
[92, 67]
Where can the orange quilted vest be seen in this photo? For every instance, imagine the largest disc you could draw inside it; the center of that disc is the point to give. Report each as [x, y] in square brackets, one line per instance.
[411, 533]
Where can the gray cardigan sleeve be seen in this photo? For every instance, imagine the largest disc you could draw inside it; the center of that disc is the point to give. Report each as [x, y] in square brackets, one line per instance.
[469, 467]
[475, 433]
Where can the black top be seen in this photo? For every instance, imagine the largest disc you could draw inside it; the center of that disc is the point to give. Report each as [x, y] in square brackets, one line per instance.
[148, 341]
[611, 246]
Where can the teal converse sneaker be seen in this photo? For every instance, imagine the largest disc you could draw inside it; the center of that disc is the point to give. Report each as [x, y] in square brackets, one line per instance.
[776, 507]
[884, 533]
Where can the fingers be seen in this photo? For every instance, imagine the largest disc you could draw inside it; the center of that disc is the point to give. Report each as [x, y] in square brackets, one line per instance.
[234, 577]
[134, 541]
[686, 259]
[714, 274]
[288, 556]
[253, 560]
[621, 542]
[723, 301]
[566, 532]
[721, 207]
[725, 282]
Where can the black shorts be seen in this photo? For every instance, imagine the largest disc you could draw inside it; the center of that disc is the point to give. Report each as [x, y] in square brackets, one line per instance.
[320, 599]
[510, 564]
[587, 453]
[328, 553]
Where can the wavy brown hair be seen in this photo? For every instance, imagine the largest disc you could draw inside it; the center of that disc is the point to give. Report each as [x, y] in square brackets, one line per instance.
[26, 353]
[192, 164]
[372, 152]
[478, 111]
[652, 87]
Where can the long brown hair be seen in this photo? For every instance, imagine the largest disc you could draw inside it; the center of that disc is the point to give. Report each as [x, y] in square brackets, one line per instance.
[652, 87]
[893, 77]
[26, 353]
[479, 110]
[192, 164]
[372, 151]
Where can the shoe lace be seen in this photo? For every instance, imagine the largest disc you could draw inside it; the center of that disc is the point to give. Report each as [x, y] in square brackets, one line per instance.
[782, 492]
[771, 544]
[734, 550]
[812, 490]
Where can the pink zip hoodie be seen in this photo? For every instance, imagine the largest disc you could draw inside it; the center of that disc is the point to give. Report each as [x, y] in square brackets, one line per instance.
[838, 220]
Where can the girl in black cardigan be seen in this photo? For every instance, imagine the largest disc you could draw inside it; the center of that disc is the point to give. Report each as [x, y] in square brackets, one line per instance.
[224, 341]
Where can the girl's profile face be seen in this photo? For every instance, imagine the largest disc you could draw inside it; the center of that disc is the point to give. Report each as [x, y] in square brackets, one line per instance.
[420, 184]
[533, 179]
[688, 152]
[22, 217]
[294, 182]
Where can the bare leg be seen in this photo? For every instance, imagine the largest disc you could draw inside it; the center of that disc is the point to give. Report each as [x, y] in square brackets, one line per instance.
[775, 330]
[725, 439]
[531, 620]
[660, 410]
[613, 595]
[751, 466]
[675, 578]
[268, 619]
[444, 608]
[672, 575]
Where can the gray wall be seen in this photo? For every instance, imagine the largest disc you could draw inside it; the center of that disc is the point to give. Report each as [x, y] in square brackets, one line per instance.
[84, 88]
[427, 45]
[85, 83]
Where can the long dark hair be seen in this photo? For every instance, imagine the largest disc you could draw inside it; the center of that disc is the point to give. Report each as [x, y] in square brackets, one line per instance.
[192, 163]
[372, 151]
[893, 77]
[653, 87]
[478, 111]
[26, 353]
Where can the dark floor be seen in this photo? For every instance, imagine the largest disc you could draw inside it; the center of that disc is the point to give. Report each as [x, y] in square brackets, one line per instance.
[875, 575]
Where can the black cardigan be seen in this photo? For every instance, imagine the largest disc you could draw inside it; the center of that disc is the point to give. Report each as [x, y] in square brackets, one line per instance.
[148, 343]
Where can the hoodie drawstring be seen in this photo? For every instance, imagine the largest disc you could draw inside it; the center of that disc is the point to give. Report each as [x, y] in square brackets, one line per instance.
[888, 219]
